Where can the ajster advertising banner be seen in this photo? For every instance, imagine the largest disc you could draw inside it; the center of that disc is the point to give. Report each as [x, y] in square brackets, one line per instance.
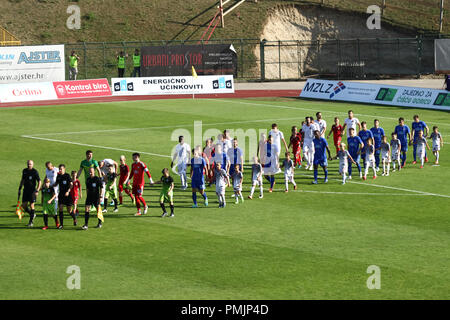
[82, 88]
[377, 94]
[178, 60]
[32, 64]
[173, 85]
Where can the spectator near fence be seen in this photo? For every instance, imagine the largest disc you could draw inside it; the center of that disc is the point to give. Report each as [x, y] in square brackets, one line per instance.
[121, 63]
[136, 63]
[447, 82]
[73, 65]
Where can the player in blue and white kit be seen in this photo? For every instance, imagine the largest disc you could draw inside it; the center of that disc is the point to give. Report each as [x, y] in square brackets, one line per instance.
[420, 144]
[396, 148]
[198, 167]
[364, 134]
[378, 134]
[320, 157]
[404, 135]
[222, 158]
[182, 154]
[289, 168]
[257, 171]
[438, 142]
[270, 165]
[417, 126]
[236, 156]
[355, 145]
[222, 181]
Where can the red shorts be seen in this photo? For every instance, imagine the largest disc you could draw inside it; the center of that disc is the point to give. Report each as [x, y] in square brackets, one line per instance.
[75, 198]
[121, 182]
[337, 142]
[138, 189]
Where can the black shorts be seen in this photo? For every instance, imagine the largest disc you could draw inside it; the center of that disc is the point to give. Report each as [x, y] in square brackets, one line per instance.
[29, 196]
[92, 201]
[66, 201]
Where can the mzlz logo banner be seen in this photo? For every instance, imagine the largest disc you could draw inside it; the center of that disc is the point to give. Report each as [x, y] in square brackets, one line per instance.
[32, 64]
[177, 60]
[173, 85]
[376, 94]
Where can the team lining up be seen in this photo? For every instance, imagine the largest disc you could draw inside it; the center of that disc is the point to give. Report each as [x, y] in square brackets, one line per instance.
[223, 160]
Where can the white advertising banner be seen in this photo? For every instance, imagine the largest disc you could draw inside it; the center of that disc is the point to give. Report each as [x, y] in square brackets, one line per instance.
[27, 92]
[173, 85]
[32, 64]
[376, 94]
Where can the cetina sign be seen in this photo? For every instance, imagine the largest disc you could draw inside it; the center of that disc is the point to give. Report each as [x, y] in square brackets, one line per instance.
[376, 94]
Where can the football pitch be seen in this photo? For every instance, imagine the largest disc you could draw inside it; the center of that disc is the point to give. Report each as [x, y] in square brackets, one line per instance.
[313, 243]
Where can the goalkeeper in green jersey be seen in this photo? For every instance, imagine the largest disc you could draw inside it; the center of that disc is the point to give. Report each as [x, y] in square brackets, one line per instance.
[111, 189]
[166, 194]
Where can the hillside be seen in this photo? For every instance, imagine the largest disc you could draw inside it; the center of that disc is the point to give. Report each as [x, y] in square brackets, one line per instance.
[136, 20]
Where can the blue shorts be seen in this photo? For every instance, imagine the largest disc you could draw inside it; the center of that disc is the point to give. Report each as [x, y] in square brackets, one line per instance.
[355, 157]
[404, 146]
[321, 162]
[198, 184]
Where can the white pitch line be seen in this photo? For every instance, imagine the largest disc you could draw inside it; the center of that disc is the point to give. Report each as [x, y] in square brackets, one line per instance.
[315, 110]
[416, 192]
[94, 146]
[357, 193]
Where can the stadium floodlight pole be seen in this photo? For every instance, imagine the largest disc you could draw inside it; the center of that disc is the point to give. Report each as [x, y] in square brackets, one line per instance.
[221, 14]
[441, 16]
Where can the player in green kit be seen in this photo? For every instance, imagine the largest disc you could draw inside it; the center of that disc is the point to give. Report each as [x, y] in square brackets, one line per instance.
[111, 189]
[166, 192]
[86, 165]
[48, 203]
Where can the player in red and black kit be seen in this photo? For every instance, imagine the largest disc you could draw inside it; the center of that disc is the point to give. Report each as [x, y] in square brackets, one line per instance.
[137, 174]
[124, 176]
[295, 142]
[337, 131]
[75, 193]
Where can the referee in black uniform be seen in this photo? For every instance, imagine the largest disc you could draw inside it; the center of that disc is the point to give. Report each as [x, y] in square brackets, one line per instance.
[64, 181]
[94, 186]
[30, 177]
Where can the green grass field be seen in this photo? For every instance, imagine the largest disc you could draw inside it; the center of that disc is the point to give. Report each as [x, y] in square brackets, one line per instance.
[315, 243]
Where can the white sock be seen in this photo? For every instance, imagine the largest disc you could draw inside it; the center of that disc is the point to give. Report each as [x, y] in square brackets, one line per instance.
[286, 183]
[422, 160]
[261, 189]
[388, 167]
[437, 156]
[252, 190]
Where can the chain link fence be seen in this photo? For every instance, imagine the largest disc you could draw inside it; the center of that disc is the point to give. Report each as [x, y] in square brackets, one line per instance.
[284, 60]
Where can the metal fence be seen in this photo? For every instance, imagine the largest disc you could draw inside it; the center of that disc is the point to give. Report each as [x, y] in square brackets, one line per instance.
[285, 60]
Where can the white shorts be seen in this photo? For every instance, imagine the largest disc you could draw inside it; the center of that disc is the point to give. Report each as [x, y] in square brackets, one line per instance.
[237, 189]
[436, 147]
[421, 152]
[370, 161]
[288, 177]
[385, 155]
[220, 190]
[395, 156]
[343, 167]
[308, 146]
[256, 182]
[181, 167]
